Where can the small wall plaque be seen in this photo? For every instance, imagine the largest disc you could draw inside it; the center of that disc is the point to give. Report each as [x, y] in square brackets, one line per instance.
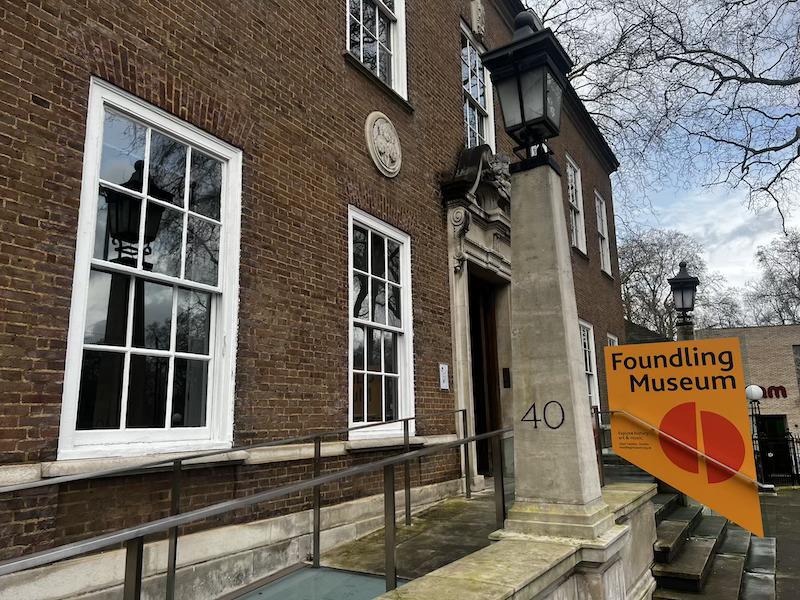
[383, 144]
[444, 376]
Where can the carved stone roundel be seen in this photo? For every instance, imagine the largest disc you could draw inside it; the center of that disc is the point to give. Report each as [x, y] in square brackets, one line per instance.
[383, 143]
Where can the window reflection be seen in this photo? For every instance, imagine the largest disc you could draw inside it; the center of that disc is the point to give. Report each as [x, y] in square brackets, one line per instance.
[152, 315]
[205, 185]
[202, 251]
[194, 320]
[147, 391]
[106, 309]
[123, 146]
[189, 393]
[167, 168]
[100, 395]
[165, 251]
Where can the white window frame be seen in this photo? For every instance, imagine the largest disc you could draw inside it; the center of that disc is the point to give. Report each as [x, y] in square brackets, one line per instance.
[397, 34]
[218, 431]
[405, 354]
[612, 340]
[575, 218]
[589, 328]
[602, 232]
[488, 112]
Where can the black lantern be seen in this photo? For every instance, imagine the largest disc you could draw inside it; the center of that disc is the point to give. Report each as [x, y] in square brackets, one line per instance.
[684, 287]
[529, 75]
[124, 212]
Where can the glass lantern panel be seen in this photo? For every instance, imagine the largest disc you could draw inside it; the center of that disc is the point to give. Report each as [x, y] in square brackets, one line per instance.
[554, 96]
[509, 102]
[532, 83]
[677, 296]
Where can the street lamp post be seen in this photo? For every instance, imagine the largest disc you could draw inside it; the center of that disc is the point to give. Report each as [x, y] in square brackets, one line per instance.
[684, 290]
[557, 486]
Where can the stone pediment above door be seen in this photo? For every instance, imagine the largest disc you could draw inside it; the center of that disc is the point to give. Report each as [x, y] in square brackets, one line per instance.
[478, 204]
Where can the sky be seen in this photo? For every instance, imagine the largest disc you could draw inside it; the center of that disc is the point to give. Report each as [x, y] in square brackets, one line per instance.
[719, 220]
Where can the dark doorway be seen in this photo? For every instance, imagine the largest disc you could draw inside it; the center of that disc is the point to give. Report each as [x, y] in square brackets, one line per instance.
[485, 379]
[776, 450]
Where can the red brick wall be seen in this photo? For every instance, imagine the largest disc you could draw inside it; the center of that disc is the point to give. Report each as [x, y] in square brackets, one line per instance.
[269, 78]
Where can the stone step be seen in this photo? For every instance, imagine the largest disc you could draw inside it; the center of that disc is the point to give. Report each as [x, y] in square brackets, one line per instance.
[736, 541]
[711, 527]
[687, 514]
[723, 582]
[664, 504]
[761, 558]
[689, 569]
[670, 537]
[757, 586]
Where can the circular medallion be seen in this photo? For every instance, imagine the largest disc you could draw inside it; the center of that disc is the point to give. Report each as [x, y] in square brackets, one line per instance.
[383, 144]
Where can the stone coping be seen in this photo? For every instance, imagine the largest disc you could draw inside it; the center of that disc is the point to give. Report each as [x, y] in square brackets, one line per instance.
[25, 473]
[520, 566]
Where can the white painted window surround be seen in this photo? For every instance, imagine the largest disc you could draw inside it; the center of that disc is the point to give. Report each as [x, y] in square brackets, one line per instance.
[589, 362]
[612, 340]
[602, 232]
[196, 283]
[479, 125]
[381, 356]
[376, 37]
[577, 227]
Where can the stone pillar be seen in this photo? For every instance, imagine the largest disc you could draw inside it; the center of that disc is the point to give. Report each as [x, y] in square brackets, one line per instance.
[556, 477]
[685, 332]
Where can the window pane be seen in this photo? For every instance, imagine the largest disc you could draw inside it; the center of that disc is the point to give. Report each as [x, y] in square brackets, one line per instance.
[123, 152]
[389, 352]
[360, 301]
[358, 397]
[358, 348]
[389, 4]
[106, 309]
[355, 38]
[373, 349]
[164, 240]
[147, 391]
[194, 321]
[100, 395]
[384, 65]
[378, 301]
[355, 9]
[394, 260]
[390, 398]
[395, 318]
[359, 249]
[378, 255]
[189, 393]
[374, 399]
[117, 226]
[205, 185]
[369, 17]
[370, 57]
[202, 251]
[384, 31]
[152, 315]
[167, 169]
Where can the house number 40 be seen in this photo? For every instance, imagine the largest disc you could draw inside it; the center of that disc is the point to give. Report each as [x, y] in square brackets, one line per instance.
[552, 415]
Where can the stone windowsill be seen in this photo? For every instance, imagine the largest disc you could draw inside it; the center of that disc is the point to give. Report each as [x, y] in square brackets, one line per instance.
[25, 473]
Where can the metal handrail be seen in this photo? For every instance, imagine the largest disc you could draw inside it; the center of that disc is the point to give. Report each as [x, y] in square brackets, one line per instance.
[195, 456]
[133, 537]
[686, 446]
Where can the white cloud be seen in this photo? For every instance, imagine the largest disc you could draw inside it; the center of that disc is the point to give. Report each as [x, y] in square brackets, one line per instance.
[719, 220]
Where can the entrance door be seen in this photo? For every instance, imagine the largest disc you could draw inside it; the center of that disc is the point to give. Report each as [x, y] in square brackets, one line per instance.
[775, 449]
[485, 380]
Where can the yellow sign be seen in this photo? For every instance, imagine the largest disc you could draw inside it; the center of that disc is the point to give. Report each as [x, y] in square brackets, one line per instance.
[693, 393]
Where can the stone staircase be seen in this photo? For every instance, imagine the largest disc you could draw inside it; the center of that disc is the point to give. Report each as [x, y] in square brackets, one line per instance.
[701, 555]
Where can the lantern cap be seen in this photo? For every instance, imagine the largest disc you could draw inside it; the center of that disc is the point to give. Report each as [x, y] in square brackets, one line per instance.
[526, 23]
[683, 278]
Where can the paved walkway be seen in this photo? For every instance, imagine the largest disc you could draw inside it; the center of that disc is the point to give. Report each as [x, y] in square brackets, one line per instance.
[781, 514]
[436, 537]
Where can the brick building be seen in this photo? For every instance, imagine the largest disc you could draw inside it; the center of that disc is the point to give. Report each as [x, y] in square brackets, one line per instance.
[224, 224]
[771, 359]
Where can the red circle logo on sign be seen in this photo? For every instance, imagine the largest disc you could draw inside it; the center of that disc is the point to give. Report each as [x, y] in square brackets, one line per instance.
[721, 441]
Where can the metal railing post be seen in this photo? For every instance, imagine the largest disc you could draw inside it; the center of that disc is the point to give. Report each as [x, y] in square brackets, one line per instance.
[467, 469]
[317, 520]
[172, 553]
[598, 443]
[407, 476]
[134, 553]
[389, 549]
[499, 488]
